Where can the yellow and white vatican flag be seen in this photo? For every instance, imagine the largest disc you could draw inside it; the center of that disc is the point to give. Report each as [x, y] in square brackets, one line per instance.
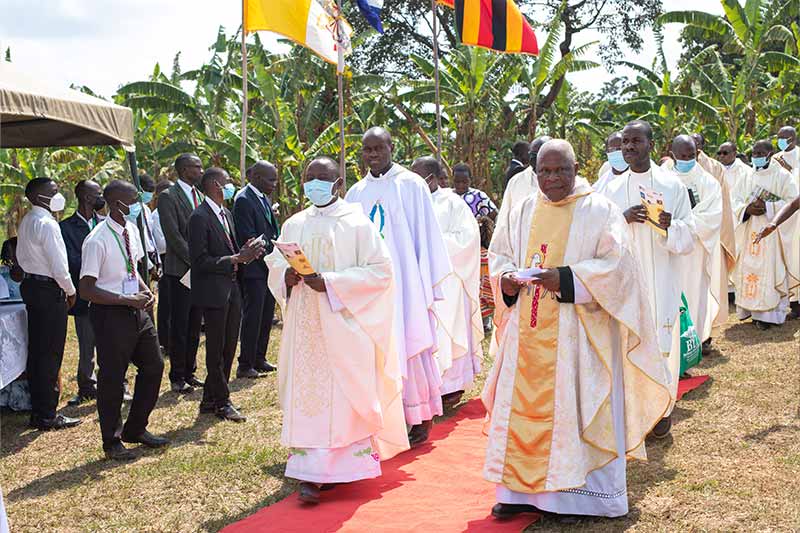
[309, 23]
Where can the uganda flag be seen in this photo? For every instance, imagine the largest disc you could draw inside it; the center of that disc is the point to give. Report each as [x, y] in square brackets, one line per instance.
[494, 24]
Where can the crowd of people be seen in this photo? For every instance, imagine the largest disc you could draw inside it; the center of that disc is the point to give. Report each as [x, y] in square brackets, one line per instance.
[580, 287]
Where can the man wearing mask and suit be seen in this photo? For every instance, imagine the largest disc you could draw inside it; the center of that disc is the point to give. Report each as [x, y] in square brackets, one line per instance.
[216, 260]
[253, 215]
[175, 205]
[74, 230]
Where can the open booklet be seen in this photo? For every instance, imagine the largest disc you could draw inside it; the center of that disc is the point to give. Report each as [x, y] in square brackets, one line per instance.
[653, 202]
[760, 193]
[294, 255]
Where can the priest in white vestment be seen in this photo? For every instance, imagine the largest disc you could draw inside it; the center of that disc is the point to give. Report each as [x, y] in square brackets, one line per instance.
[615, 163]
[579, 379]
[789, 158]
[399, 204]
[705, 198]
[762, 276]
[459, 325]
[660, 256]
[339, 379]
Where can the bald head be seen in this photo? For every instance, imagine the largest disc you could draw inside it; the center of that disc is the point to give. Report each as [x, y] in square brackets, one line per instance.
[699, 140]
[263, 176]
[787, 138]
[684, 148]
[429, 168]
[726, 153]
[322, 168]
[376, 150]
[556, 169]
[119, 195]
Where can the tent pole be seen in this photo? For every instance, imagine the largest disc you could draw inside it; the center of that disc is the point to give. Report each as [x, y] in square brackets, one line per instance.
[340, 87]
[140, 225]
[242, 153]
[436, 82]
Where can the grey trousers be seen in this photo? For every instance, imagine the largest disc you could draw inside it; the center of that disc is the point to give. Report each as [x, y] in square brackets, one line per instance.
[87, 381]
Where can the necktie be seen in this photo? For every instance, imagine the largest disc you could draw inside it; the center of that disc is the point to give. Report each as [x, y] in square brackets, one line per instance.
[267, 209]
[129, 264]
[228, 236]
[194, 197]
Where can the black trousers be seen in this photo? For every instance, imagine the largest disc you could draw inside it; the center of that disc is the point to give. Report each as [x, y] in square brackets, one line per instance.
[184, 331]
[46, 305]
[163, 310]
[125, 335]
[222, 335]
[258, 310]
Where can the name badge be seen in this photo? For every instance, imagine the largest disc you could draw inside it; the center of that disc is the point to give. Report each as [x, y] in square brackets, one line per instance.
[130, 286]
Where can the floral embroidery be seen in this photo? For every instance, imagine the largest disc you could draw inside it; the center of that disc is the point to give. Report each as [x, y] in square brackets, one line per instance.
[751, 285]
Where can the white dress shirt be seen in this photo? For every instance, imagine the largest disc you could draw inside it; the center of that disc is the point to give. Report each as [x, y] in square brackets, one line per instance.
[217, 210]
[187, 190]
[104, 260]
[41, 249]
[158, 234]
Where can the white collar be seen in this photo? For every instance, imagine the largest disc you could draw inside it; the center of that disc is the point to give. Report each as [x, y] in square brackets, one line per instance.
[214, 207]
[380, 177]
[517, 161]
[113, 225]
[185, 186]
[328, 209]
[42, 212]
[255, 190]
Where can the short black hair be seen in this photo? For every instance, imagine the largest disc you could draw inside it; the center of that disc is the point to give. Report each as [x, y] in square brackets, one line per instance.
[430, 164]
[648, 129]
[117, 187]
[462, 167]
[147, 182]
[211, 174]
[34, 186]
[6, 253]
[181, 161]
[520, 148]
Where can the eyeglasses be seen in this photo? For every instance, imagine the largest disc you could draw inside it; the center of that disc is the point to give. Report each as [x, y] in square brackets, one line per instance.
[721, 152]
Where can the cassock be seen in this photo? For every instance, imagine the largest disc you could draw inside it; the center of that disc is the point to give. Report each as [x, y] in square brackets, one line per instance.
[762, 276]
[519, 188]
[458, 315]
[399, 204]
[790, 230]
[579, 380]
[697, 268]
[660, 256]
[339, 380]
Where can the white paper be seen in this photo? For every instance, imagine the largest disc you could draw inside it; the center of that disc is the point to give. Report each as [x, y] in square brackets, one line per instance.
[186, 280]
[529, 274]
[294, 255]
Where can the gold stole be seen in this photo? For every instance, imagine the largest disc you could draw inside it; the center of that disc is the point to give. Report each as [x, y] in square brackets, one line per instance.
[530, 427]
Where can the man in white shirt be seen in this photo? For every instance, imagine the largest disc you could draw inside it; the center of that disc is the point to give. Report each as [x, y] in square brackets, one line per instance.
[48, 293]
[119, 305]
[163, 306]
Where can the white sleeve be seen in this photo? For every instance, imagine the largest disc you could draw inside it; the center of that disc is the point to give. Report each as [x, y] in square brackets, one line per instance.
[582, 296]
[92, 257]
[57, 256]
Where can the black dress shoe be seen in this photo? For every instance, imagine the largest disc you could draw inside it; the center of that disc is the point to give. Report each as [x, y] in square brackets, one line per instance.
[248, 373]
[308, 492]
[266, 368]
[57, 422]
[450, 400]
[663, 428]
[763, 326]
[509, 510]
[194, 382]
[118, 452]
[706, 349]
[146, 439]
[229, 412]
[181, 387]
[419, 433]
[82, 398]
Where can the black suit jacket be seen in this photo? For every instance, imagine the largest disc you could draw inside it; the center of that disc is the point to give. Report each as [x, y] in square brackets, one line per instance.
[174, 210]
[74, 231]
[513, 169]
[251, 221]
[212, 276]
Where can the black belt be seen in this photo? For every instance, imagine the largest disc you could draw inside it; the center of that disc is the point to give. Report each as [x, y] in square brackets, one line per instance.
[38, 277]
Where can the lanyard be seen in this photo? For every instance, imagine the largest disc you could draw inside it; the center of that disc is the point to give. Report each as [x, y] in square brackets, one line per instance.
[125, 255]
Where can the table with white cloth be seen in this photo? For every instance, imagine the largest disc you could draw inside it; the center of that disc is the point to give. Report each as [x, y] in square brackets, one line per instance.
[13, 342]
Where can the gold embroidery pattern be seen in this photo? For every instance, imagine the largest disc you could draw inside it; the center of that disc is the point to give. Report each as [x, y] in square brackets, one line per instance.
[751, 285]
[755, 248]
[312, 373]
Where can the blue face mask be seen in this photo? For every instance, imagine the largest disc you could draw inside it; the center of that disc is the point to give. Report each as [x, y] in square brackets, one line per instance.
[147, 197]
[684, 166]
[759, 162]
[228, 191]
[617, 161]
[319, 192]
[134, 210]
[783, 143]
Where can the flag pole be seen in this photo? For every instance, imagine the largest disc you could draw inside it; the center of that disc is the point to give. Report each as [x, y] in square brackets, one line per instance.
[243, 151]
[340, 86]
[436, 82]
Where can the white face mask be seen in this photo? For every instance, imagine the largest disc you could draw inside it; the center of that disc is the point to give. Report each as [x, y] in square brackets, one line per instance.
[57, 202]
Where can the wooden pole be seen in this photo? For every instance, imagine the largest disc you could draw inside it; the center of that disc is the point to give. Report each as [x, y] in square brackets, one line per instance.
[340, 90]
[243, 151]
[436, 82]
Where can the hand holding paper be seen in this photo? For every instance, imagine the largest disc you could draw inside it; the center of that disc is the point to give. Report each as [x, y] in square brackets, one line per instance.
[294, 255]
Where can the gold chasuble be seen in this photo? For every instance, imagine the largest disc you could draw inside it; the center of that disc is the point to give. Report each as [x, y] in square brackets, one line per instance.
[551, 420]
[531, 424]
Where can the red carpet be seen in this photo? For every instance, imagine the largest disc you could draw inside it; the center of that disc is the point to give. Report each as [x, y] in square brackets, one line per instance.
[435, 488]
[689, 384]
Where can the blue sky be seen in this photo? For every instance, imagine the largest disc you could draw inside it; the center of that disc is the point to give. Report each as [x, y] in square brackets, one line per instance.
[106, 43]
